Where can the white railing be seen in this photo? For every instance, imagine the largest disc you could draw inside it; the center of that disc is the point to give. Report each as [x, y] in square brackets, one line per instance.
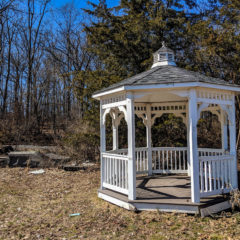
[115, 175]
[123, 151]
[141, 159]
[215, 174]
[169, 159]
[210, 152]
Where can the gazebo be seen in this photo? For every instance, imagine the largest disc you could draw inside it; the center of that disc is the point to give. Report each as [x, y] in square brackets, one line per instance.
[185, 179]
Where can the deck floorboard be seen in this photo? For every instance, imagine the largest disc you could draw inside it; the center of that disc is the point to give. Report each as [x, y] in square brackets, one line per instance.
[165, 189]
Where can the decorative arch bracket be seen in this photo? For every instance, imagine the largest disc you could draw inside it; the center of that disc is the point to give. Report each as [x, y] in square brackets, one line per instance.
[229, 111]
[200, 108]
[124, 110]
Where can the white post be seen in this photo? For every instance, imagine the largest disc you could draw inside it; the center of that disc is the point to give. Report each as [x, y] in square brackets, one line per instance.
[188, 147]
[149, 139]
[193, 150]
[102, 143]
[232, 131]
[131, 147]
[115, 134]
[224, 131]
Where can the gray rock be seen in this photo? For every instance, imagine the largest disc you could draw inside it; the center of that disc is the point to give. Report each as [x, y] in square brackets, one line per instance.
[24, 159]
[4, 161]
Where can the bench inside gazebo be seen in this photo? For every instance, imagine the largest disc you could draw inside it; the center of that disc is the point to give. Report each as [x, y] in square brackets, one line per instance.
[183, 179]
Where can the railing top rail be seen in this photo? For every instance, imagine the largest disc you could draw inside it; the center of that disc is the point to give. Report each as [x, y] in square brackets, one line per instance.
[114, 155]
[141, 148]
[216, 158]
[118, 150]
[211, 149]
[169, 148]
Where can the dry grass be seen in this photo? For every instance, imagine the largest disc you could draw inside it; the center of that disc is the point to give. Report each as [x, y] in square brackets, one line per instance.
[38, 207]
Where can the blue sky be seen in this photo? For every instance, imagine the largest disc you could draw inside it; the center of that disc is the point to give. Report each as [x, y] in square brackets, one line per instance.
[82, 3]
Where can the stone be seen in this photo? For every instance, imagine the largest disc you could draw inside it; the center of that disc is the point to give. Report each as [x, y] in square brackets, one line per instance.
[24, 159]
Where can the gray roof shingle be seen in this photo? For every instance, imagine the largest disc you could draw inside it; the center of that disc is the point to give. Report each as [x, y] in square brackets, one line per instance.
[166, 75]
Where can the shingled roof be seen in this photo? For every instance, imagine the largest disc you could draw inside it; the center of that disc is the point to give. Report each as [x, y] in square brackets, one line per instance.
[166, 75]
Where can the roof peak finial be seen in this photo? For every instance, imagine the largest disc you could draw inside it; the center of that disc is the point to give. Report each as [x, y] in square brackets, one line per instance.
[163, 44]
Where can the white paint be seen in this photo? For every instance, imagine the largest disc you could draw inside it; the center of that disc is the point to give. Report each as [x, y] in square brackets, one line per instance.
[223, 120]
[131, 147]
[141, 159]
[108, 92]
[193, 153]
[115, 136]
[149, 138]
[115, 104]
[115, 172]
[169, 85]
[169, 159]
[183, 85]
[188, 146]
[115, 201]
[102, 142]
[232, 131]
[214, 101]
[215, 174]
[163, 63]
[200, 109]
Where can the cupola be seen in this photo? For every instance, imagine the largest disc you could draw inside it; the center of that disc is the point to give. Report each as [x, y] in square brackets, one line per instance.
[163, 56]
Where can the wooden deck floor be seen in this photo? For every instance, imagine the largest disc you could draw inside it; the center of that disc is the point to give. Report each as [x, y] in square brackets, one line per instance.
[175, 189]
[164, 189]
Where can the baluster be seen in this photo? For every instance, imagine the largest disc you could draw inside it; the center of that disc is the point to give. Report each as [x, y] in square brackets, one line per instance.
[111, 177]
[218, 173]
[145, 159]
[226, 172]
[180, 162]
[214, 174]
[184, 160]
[175, 155]
[171, 160]
[107, 169]
[137, 153]
[118, 175]
[210, 174]
[126, 174]
[222, 174]
[167, 159]
[206, 176]
[155, 154]
[163, 160]
[114, 162]
[122, 173]
[229, 173]
[201, 176]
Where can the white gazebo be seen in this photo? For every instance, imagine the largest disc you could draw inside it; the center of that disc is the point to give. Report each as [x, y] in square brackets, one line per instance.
[184, 179]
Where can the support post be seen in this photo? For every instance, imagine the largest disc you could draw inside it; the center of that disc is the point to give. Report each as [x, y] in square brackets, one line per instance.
[188, 147]
[131, 147]
[232, 131]
[102, 143]
[149, 139]
[224, 130]
[193, 150]
[115, 134]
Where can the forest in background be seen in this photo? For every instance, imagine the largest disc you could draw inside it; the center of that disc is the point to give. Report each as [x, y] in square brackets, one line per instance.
[52, 60]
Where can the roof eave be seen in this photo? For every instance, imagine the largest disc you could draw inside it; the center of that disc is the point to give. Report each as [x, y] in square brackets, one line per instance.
[166, 85]
[110, 91]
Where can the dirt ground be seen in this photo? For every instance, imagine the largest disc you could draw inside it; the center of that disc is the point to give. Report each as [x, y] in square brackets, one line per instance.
[38, 207]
